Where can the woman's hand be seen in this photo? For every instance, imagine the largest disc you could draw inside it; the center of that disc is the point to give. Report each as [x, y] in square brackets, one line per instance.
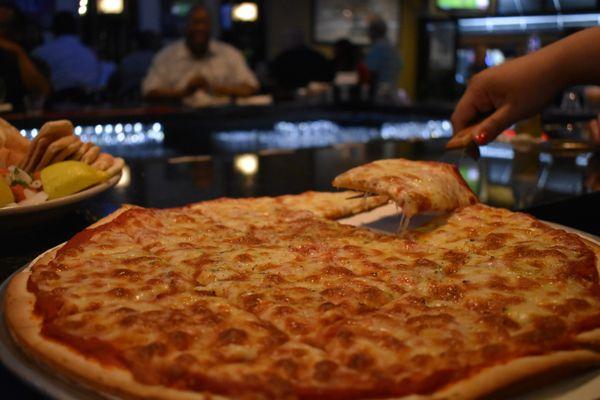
[498, 97]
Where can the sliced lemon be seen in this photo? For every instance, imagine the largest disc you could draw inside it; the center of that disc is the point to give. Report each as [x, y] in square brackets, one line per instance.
[68, 177]
[6, 195]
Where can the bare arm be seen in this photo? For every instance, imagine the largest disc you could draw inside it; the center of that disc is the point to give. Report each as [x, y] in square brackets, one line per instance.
[32, 78]
[524, 86]
[165, 95]
[197, 83]
[241, 90]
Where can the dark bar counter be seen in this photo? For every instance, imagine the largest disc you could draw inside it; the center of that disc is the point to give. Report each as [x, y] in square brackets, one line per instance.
[205, 155]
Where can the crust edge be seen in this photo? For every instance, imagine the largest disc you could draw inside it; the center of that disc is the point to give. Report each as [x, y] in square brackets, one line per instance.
[499, 377]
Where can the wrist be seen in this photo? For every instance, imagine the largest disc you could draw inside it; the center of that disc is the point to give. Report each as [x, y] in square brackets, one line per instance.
[574, 58]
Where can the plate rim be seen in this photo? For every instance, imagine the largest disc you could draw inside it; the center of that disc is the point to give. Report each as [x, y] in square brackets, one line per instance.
[62, 201]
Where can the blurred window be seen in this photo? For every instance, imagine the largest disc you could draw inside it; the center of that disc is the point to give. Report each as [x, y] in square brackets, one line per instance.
[519, 7]
[571, 5]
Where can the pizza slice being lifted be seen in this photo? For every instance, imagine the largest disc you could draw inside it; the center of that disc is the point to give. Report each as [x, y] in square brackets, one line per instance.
[416, 186]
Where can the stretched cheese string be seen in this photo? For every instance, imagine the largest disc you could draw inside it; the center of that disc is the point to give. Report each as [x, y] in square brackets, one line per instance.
[404, 222]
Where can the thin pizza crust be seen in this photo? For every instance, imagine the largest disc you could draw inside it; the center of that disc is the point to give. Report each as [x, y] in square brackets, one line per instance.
[592, 338]
[501, 376]
[26, 327]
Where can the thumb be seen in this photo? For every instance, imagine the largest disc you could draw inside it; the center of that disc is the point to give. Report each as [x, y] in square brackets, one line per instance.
[492, 126]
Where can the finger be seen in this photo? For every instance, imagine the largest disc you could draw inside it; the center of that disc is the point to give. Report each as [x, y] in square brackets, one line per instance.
[461, 139]
[464, 112]
[475, 102]
[469, 111]
[492, 126]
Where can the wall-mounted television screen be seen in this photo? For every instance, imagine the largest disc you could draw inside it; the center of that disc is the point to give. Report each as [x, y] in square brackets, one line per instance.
[475, 5]
[349, 19]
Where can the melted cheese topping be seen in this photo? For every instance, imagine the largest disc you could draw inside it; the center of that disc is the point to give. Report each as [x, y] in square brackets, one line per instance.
[332, 205]
[254, 302]
[416, 186]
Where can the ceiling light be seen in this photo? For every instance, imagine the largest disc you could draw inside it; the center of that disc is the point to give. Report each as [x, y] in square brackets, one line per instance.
[82, 10]
[245, 12]
[247, 164]
[110, 6]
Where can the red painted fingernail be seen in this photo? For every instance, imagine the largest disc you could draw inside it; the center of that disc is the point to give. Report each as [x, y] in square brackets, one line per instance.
[481, 138]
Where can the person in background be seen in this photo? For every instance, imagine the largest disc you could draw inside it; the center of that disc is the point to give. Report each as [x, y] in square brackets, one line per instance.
[382, 60]
[19, 74]
[500, 96]
[73, 66]
[198, 69]
[298, 64]
[347, 57]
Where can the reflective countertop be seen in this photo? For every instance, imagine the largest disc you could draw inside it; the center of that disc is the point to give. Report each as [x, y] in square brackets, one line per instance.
[163, 177]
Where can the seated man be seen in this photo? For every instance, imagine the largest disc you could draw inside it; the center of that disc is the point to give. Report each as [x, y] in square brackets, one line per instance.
[198, 70]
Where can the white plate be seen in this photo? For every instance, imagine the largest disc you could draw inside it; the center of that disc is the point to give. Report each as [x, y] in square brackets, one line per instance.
[61, 202]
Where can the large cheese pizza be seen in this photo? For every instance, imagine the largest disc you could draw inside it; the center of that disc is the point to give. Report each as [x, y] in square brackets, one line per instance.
[260, 299]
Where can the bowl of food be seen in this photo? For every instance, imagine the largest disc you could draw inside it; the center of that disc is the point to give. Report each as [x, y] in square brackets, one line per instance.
[45, 177]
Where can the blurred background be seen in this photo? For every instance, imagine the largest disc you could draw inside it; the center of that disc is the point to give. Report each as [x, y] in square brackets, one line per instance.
[381, 51]
[187, 81]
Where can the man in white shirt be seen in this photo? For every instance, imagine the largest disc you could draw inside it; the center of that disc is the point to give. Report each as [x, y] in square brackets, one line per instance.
[198, 70]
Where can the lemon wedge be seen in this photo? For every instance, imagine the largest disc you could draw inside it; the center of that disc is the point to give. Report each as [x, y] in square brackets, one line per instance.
[6, 195]
[68, 177]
